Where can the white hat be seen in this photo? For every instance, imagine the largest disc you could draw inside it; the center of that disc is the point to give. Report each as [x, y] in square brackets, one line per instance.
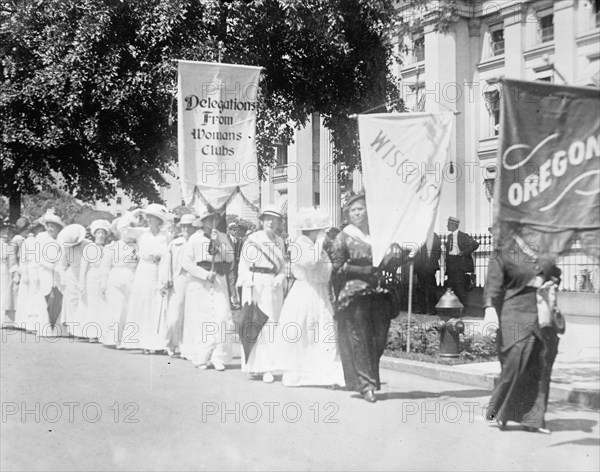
[157, 210]
[187, 219]
[453, 219]
[125, 221]
[100, 224]
[205, 214]
[71, 235]
[51, 217]
[272, 210]
[310, 218]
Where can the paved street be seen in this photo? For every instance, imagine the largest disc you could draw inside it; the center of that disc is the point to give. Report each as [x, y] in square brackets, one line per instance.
[69, 405]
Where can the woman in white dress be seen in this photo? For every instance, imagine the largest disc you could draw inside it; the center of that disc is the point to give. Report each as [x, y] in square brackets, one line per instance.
[261, 276]
[47, 280]
[145, 322]
[174, 280]
[25, 318]
[93, 304]
[307, 342]
[207, 258]
[117, 272]
[8, 261]
[73, 241]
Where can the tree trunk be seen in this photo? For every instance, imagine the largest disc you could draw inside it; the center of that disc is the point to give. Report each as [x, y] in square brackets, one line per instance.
[14, 207]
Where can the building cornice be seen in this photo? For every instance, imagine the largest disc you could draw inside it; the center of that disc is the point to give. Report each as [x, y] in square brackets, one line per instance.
[488, 147]
[494, 62]
[593, 37]
[417, 68]
[539, 51]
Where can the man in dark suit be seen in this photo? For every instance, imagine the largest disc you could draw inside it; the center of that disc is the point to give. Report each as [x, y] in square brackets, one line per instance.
[426, 264]
[459, 257]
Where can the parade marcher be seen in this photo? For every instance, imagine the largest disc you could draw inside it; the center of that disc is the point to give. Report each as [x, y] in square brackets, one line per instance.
[363, 309]
[459, 257]
[8, 265]
[117, 271]
[236, 242]
[261, 276]
[207, 258]
[527, 351]
[26, 316]
[93, 306]
[46, 300]
[174, 282]
[307, 350]
[73, 242]
[144, 311]
[426, 264]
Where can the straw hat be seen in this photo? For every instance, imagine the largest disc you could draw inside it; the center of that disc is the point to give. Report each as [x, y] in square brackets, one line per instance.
[51, 217]
[310, 218]
[187, 219]
[453, 219]
[157, 210]
[272, 210]
[353, 197]
[71, 235]
[100, 224]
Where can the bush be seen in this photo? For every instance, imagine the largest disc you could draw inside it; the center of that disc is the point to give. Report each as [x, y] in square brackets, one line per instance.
[425, 340]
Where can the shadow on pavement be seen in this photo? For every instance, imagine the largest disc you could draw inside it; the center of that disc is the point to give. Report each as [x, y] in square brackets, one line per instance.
[580, 442]
[416, 394]
[582, 425]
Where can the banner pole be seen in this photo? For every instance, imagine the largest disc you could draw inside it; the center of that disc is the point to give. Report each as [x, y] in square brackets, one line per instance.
[410, 296]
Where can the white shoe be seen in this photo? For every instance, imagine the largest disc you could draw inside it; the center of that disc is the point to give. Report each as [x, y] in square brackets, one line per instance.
[218, 366]
[201, 367]
[268, 377]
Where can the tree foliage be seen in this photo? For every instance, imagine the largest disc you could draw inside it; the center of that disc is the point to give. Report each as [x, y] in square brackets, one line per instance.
[88, 85]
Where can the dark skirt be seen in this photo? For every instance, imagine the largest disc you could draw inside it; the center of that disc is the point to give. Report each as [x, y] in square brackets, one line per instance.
[521, 393]
[363, 327]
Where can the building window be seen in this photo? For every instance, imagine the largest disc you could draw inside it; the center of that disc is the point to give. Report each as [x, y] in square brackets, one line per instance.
[497, 38]
[119, 200]
[418, 48]
[492, 104]
[119, 213]
[317, 199]
[546, 24]
[597, 12]
[281, 154]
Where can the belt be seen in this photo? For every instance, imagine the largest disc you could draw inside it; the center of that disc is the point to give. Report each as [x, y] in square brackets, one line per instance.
[221, 268]
[263, 270]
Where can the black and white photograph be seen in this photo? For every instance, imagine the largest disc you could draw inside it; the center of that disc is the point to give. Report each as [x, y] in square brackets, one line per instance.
[300, 235]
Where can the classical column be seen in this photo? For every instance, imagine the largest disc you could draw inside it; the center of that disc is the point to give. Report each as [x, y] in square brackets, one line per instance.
[329, 188]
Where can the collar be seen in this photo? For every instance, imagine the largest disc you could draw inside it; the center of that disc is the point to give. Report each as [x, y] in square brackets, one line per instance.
[356, 233]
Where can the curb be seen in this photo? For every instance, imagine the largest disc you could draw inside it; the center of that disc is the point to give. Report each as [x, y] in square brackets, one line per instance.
[462, 374]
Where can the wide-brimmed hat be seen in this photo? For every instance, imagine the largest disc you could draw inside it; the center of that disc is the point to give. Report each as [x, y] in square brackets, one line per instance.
[272, 210]
[204, 215]
[51, 217]
[71, 235]
[158, 210]
[310, 218]
[100, 224]
[22, 223]
[187, 219]
[353, 197]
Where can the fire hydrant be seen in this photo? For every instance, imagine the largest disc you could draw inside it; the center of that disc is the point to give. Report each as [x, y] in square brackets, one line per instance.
[448, 308]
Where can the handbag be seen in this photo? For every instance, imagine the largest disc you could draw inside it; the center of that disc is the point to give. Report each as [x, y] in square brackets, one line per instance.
[549, 316]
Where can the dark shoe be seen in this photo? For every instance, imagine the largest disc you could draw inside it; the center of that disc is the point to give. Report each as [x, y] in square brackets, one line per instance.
[369, 395]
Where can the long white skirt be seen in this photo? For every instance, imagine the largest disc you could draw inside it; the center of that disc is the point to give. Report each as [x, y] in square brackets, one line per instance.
[270, 300]
[141, 330]
[71, 307]
[118, 292]
[207, 325]
[175, 313]
[306, 347]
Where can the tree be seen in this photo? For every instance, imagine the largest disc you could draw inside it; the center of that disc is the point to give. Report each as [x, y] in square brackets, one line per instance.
[88, 85]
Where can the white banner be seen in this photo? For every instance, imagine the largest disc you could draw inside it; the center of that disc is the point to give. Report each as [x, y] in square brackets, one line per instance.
[217, 106]
[403, 156]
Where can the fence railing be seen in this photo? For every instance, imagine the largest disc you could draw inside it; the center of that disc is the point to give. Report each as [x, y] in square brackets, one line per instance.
[579, 272]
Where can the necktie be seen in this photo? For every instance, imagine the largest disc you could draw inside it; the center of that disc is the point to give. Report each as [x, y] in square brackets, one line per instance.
[450, 243]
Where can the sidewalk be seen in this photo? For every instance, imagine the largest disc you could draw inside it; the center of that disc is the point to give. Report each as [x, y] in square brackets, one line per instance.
[575, 376]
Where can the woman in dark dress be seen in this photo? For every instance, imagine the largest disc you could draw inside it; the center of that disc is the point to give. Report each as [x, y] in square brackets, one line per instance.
[363, 308]
[526, 351]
